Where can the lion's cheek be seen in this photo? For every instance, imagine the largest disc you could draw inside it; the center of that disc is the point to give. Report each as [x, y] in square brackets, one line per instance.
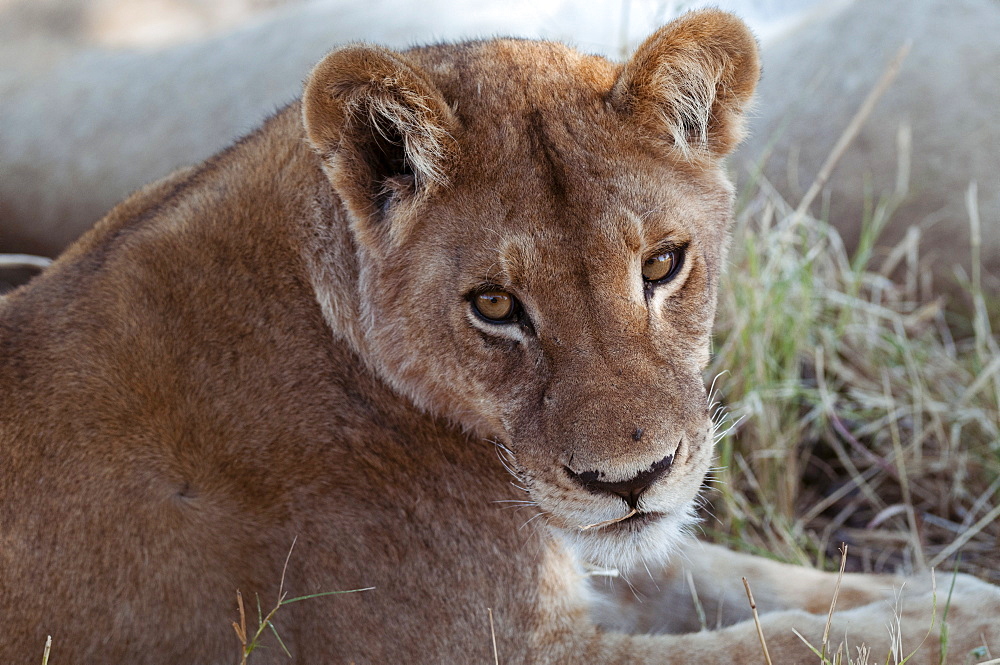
[475, 387]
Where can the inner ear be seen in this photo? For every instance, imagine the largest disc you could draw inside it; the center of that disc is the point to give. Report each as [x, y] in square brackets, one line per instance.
[384, 132]
[391, 174]
[689, 83]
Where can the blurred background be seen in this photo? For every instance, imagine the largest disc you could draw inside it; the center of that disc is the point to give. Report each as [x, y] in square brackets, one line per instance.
[606, 26]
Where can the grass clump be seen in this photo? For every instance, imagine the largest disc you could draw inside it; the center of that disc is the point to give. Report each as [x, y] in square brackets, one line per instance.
[864, 417]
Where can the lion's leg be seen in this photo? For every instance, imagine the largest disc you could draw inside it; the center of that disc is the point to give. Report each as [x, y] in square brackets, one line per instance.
[910, 622]
[702, 587]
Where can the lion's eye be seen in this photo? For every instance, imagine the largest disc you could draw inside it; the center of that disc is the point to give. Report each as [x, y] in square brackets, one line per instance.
[663, 266]
[495, 305]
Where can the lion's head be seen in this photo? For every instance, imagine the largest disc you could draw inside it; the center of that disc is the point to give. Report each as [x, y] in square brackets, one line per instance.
[539, 262]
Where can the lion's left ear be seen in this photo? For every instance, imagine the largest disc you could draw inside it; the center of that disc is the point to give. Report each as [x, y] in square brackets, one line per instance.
[689, 83]
[382, 129]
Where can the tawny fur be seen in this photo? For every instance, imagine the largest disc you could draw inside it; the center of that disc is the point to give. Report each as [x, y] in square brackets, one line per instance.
[278, 344]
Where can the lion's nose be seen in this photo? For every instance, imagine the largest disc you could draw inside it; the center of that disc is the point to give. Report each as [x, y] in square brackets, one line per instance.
[629, 490]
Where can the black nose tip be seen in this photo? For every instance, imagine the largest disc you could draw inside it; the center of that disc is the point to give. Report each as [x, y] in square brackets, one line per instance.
[629, 490]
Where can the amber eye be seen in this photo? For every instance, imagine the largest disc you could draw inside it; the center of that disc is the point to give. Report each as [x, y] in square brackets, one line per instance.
[495, 305]
[662, 266]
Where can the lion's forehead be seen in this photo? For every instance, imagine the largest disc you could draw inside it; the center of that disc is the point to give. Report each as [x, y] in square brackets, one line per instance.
[515, 72]
[512, 231]
[550, 187]
[541, 152]
[517, 97]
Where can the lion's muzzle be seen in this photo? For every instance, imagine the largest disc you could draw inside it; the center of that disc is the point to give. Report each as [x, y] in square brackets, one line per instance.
[629, 489]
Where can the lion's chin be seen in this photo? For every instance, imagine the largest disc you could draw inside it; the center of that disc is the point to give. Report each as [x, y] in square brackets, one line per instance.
[648, 540]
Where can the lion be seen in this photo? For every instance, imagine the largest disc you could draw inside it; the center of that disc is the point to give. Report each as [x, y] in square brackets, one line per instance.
[447, 282]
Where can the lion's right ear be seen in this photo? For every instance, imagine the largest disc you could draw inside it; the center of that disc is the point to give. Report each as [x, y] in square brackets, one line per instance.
[689, 84]
[381, 127]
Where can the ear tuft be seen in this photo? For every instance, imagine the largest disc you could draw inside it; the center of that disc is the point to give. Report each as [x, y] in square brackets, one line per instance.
[380, 125]
[689, 83]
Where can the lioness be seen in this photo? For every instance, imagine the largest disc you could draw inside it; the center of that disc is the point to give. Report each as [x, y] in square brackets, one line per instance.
[342, 329]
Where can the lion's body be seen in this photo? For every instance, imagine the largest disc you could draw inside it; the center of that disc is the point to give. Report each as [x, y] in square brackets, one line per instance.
[193, 431]
[243, 355]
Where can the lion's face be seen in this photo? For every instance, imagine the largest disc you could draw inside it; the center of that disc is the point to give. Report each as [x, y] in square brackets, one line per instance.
[556, 295]
[535, 326]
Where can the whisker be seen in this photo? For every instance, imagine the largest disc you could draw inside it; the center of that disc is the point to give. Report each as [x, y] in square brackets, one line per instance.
[711, 389]
[719, 435]
[650, 573]
[517, 505]
[506, 457]
[501, 446]
[707, 509]
[530, 520]
[638, 595]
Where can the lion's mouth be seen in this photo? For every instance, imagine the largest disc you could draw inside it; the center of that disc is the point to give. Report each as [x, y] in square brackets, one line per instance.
[637, 521]
[632, 538]
[629, 523]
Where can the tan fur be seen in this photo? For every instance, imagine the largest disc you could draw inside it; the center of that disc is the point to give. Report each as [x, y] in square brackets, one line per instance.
[279, 345]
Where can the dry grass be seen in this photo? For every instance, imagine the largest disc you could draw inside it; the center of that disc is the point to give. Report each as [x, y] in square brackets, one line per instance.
[756, 622]
[866, 418]
[252, 641]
